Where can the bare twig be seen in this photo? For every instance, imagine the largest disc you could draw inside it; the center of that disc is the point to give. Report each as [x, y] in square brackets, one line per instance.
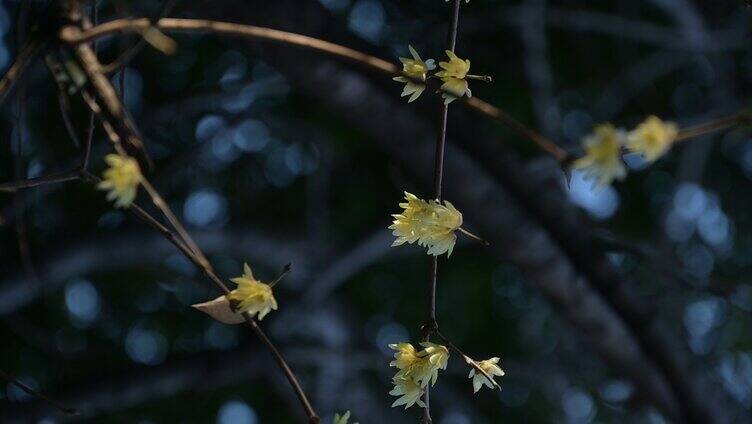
[159, 202]
[474, 237]
[128, 54]
[13, 186]
[62, 408]
[72, 36]
[16, 70]
[211, 276]
[431, 325]
[715, 125]
[261, 33]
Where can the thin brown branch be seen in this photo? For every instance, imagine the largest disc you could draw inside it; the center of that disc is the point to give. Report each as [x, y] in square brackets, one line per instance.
[119, 126]
[73, 36]
[431, 324]
[16, 70]
[60, 407]
[159, 202]
[129, 53]
[211, 276]
[741, 118]
[13, 186]
[474, 237]
[543, 143]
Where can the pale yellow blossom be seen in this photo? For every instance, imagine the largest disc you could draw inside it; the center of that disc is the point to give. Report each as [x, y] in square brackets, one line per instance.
[420, 366]
[491, 367]
[121, 179]
[431, 224]
[437, 357]
[409, 392]
[342, 419]
[453, 76]
[652, 138]
[252, 296]
[415, 71]
[602, 160]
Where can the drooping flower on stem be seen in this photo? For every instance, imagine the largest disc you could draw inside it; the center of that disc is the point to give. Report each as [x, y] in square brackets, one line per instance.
[121, 179]
[491, 367]
[415, 71]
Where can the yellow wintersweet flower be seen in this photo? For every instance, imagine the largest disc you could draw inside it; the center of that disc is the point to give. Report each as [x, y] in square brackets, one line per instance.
[436, 356]
[416, 69]
[121, 179]
[409, 391]
[430, 223]
[252, 296]
[421, 367]
[491, 368]
[453, 75]
[652, 138]
[455, 68]
[602, 160]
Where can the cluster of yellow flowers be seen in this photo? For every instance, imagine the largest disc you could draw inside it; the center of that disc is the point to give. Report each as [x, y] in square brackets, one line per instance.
[121, 179]
[603, 149]
[415, 370]
[429, 223]
[250, 296]
[454, 76]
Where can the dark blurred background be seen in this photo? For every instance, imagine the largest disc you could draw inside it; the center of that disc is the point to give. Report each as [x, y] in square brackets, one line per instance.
[271, 154]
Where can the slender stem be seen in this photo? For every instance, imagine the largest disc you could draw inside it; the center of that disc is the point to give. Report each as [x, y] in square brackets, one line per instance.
[160, 203]
[285, 271]
[714, 125]
[431, 325]
[484, 78]
[70, 35]
[474, 237]
[16, 70]
[89, 140]
[209, 273]
[13, 186]
[92, 124]
[62, 408]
